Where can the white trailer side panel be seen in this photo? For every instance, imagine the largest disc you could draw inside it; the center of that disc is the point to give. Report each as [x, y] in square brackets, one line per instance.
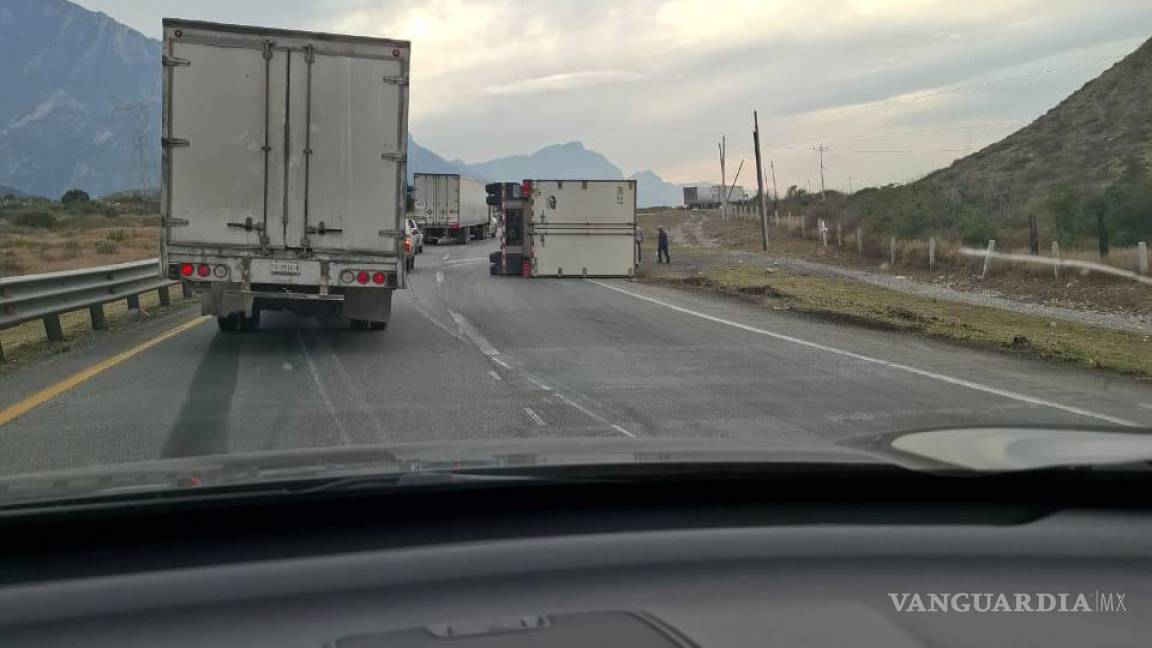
[473, 202]
[583, 228]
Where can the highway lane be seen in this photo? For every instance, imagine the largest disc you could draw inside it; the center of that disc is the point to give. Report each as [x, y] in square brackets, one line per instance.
[471, 356]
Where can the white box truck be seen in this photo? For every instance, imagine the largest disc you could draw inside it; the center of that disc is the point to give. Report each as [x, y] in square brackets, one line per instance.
[283, 171]
[582, 228]
[450, 207]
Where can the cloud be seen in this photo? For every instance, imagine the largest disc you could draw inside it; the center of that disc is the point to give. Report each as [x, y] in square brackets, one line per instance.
[564, 82]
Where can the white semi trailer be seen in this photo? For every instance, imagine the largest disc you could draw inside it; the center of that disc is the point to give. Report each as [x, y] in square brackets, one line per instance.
[449, 206]
[284, 159]
[581, 228]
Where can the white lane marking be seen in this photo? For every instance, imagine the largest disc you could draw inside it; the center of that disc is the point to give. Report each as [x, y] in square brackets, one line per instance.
[536, 381]
[622, 430]
[495, 376]
[1004, 393]
[440, 325]
[471, 333]
[593, 415]
[321, 391]
[456, 262]
[1147, 406]
[446, 255]
[439, 277]
[500, 362]
[534, 416]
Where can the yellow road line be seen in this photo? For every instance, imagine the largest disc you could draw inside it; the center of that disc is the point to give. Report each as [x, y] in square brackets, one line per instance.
[12, 412]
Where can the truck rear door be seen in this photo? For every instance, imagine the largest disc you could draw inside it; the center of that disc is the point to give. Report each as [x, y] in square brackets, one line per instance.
[284, 141]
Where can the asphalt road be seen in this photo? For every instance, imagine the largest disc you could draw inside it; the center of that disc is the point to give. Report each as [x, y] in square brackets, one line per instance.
[472, 356]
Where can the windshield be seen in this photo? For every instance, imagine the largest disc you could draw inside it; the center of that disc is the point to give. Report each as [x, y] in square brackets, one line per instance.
[401, 237]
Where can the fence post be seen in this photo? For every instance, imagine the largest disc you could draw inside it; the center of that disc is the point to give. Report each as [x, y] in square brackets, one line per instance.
[839, 238]
[860, 241]
[892, 251]
[1033, 235]
[988, 257]
[931, 253]
[52, 328]
[96, 313]
[133, 302]
[823, 233]
[1142, 257]
[1056, 258]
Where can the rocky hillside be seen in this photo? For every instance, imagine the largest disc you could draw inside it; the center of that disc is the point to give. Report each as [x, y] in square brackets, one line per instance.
[1080, 144]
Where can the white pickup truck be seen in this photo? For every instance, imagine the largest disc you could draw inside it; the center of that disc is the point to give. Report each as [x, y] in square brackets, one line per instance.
[284, 158]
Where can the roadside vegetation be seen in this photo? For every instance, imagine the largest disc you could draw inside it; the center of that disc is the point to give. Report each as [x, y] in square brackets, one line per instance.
[845, 300]
[40, 235]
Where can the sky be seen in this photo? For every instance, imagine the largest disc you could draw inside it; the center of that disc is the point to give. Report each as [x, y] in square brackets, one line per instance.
[891, 88]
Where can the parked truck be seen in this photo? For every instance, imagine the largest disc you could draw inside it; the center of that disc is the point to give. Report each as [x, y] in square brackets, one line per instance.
[450, 206]
[283, 171]
[569, 228]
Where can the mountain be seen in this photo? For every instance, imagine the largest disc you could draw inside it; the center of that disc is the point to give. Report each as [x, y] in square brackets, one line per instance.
[1081, 145]
[5, 190]
[654, 191]
[569, 161]
[80, 91]
[421, 160]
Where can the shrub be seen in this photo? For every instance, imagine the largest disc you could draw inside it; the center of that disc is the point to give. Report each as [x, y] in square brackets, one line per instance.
[37, 219]
[106, 247]
[117, 235]
[75, 196]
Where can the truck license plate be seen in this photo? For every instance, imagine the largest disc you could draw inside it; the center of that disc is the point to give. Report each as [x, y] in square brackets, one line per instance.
[285, 267]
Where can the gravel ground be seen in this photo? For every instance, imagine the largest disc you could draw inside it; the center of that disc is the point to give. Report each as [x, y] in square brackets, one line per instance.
[1125, 322]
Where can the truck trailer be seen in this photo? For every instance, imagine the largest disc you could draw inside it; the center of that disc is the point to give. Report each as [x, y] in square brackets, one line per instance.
[569, 228]
[283, 171]
[450, 206]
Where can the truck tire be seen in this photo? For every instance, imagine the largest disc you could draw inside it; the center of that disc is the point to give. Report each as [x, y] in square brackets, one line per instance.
[377, 326]
[358, 324]
[249, 324]
[227, 324]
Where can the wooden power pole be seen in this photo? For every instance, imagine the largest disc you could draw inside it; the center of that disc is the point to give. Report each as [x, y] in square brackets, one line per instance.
[760, 181]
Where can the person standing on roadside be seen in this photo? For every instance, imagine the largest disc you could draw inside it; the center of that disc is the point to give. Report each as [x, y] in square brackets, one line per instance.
[662, 247]
[639, 244]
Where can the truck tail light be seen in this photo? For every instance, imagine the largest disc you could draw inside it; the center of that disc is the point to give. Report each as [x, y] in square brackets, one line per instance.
[526, 187]
[203, 270]
[362, 277]
[186, 269]
[220, 271]
[453, 225]
[347, 276]
[379, 278]
[407, 245]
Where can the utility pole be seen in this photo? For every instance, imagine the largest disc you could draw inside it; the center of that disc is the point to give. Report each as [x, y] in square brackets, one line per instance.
[775, 193]
[723, 180]
[760, 181]
[849, 185]
[137, 113]
[821, 150]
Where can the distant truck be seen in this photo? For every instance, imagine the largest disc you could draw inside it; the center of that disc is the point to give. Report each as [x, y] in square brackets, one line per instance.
[707, 196]
[284, 159]
[451, 207]
[569, 228]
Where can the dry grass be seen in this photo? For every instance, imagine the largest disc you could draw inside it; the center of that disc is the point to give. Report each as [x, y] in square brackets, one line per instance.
[855, 302]
[80, 245]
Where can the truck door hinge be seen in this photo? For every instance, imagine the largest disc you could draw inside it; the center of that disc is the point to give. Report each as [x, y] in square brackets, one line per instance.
[174, 222]
[173, 142]
[321, 228]
[248, 225]
[394, 157]
[400, 81]
[309, 54]
[268, 45]
[174, 61]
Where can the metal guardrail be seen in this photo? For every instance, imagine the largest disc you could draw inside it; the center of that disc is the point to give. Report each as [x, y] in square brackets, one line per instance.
[48, 295]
